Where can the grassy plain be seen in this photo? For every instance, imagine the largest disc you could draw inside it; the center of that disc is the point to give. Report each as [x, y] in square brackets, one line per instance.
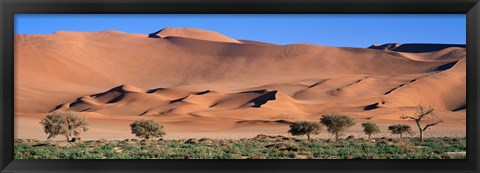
[260, 147]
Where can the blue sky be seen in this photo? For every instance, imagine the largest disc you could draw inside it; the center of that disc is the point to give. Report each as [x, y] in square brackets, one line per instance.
[323, 29]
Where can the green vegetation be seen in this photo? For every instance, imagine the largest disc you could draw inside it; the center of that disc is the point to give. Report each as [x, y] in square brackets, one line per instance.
[337, 124]
[68, 124]
[400, 129]
[147, 129]
[305, 128]
[260, 147]
[370, 128]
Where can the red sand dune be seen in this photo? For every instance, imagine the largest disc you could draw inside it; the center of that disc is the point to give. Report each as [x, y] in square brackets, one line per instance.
[201, 83]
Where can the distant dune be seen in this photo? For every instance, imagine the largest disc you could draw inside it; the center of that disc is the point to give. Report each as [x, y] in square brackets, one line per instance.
[192, 34]
[415, 48]
[217, 86]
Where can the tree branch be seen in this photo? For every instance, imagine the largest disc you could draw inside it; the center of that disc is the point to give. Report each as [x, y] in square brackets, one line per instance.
[429, 125]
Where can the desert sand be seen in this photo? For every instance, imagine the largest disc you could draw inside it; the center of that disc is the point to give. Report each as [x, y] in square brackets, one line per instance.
[201, 83]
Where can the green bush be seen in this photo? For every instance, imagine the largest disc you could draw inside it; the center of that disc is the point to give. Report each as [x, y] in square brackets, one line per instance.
[68, 124]
[400, 129]
[304, 128]
[370, 128]
[337, 124]
[147, 129]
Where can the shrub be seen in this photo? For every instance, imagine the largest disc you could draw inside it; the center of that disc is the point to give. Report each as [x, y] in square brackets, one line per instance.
[147, 129]
[304, 128]
[400, 129]
[337, 124]
[370, 128]
[64, 123]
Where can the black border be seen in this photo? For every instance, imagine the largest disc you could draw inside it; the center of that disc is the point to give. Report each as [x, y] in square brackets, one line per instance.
[10, 7]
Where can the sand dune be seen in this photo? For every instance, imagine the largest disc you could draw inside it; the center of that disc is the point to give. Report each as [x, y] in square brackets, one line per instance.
[193, 34]
[213, 84]
[444, 90]
[415, 48]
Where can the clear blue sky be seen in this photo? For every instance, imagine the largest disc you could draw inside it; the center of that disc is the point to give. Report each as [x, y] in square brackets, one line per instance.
[322, 29]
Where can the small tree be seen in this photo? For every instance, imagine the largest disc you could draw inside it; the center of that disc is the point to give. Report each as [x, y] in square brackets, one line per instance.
[64, 123]
[337, 124]
[147, 129]
[370, 128]
[422, 115]
[300, 128]
[400, 129]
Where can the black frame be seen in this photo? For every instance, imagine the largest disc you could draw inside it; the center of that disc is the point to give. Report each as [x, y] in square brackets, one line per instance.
[10, 7]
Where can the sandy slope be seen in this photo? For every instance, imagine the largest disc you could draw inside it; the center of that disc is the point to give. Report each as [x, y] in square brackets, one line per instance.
[201, 83]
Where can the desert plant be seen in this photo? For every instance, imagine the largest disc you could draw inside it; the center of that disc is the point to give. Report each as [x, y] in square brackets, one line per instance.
[300, 128]
[64, 123]
[147, 129]
[370, 128]
[400, 129]
[337, 124]
[422, 115]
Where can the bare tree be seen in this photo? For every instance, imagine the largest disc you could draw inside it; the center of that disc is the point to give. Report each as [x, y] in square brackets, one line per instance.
[305, 128]
[421, 116]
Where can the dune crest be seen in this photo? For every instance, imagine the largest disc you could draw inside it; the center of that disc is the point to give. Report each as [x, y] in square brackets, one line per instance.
[193, 34]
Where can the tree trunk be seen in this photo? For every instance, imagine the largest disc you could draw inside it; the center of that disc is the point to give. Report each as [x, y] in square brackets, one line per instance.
[420, 130]
[336, 136]
[369, 136]
[401, 136]
[421, 136]
[308, 136]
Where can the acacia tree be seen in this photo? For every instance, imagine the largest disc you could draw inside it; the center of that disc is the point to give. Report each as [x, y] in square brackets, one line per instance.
[300, 128]
[370, 128]
[422, 115]
[400, 129]
[64, 123]
[147, 129]
[337, 124]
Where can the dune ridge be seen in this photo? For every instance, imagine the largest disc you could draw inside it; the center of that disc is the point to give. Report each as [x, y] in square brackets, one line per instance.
[193, 34]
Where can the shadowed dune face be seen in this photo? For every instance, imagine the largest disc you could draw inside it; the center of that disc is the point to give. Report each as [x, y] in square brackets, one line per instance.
[190, 77]
[415, 48]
